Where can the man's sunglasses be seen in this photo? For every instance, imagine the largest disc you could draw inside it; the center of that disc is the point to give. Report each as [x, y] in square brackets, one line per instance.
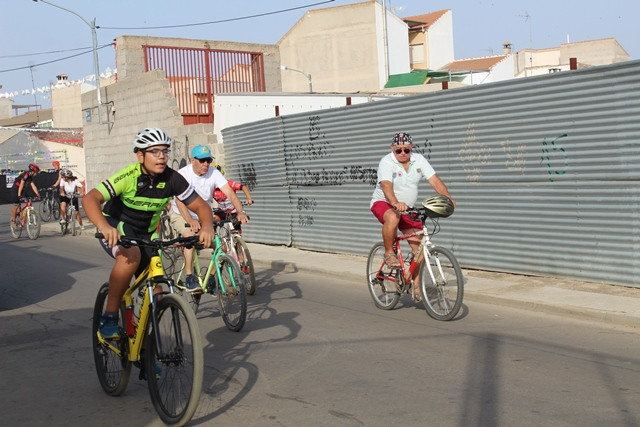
[400, 150]
[208, 160]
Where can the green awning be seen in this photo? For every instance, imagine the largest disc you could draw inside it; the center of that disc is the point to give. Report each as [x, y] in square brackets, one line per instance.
[416, 78]
[407, 79]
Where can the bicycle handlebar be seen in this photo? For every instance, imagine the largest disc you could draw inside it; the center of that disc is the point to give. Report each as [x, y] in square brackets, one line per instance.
[187, 242]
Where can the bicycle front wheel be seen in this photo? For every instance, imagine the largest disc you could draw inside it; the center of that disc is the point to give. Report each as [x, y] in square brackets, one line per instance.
[33, 224]
[74, 226]
[233, 298]
[16, 228]
[246, 263]
[442, 284]
[175, 361]
[382, 281]
[113, 370]
[55, 209]
[44, 210]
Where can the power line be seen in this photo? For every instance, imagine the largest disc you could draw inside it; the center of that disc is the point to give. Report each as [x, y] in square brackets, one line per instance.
[214, 22]
[55, 60]
[43, 53]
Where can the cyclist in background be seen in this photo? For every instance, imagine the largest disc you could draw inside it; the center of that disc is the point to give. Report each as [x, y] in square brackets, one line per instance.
[135, 197]
[205, 180]
[19, 187]
[225, 206]
[69, 185]
[399, 174]
[56, 166]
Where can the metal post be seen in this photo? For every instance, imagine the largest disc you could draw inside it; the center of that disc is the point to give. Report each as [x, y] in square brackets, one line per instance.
[308, 76]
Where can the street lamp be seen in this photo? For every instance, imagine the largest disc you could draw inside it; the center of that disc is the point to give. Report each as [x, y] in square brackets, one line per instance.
[308, 76]
[96, 68]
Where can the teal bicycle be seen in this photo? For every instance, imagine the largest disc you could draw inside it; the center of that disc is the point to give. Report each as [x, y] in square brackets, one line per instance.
[223, 279]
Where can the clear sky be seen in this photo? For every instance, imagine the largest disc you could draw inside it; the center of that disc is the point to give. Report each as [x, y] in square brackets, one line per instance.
[35, 37]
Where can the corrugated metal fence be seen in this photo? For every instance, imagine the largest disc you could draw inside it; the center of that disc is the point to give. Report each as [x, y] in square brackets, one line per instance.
[544, 170]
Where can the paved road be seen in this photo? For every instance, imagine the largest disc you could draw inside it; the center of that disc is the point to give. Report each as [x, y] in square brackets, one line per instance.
[314, 352]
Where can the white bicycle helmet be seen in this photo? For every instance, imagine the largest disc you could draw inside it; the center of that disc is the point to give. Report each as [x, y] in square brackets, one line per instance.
[439, 205]
[66, 173]
[149, 137]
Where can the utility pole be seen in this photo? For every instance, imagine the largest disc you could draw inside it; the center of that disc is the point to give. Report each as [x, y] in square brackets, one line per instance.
[96, 68]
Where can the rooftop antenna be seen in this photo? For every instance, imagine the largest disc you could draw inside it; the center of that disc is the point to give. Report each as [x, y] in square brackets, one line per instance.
[490, 49]
[527, 18]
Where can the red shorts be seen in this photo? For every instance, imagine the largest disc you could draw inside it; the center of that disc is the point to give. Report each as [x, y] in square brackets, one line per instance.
[380, 207]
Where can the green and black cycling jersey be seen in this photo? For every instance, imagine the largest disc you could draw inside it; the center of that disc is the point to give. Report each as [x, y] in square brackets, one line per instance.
[134, 199]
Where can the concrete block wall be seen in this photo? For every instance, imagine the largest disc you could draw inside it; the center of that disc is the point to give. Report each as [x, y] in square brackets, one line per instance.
[143, 100]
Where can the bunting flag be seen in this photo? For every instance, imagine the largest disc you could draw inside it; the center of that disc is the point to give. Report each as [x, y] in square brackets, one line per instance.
[108, 72]
[20, 161]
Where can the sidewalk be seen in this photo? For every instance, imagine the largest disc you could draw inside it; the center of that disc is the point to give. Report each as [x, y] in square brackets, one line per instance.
[581, 300]
[612, 304]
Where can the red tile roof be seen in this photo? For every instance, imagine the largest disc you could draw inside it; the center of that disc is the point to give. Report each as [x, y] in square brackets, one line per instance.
[426, 20]
[474, 64]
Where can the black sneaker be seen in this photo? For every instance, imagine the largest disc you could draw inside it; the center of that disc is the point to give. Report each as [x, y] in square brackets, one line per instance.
[192, 284]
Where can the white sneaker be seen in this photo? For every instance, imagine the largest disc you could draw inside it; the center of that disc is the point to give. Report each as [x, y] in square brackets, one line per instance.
[82, 227]
[63, 221]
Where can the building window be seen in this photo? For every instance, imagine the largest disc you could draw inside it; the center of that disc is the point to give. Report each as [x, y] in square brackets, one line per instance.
[416, 52]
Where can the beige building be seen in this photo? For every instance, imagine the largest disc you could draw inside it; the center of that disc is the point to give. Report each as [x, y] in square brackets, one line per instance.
[344, 49]
[430, 39]
[532, 62]
[65, 100]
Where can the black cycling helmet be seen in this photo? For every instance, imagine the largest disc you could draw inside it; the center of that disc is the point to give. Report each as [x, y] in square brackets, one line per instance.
[34, 168]
[439, 205]
[401, 138]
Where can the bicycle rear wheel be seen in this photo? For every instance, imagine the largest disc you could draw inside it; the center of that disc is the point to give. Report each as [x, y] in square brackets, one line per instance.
[233, 300]
[44, 210]
[175, 361]
[442, 294]
[33, 224]
[246, 263]
[16, 228]
[113, 370]
[382, 281]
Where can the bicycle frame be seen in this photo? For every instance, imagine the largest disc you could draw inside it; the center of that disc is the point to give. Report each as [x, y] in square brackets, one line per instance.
[152, 276]
[423, 252]
[217, 251]
[22, 211]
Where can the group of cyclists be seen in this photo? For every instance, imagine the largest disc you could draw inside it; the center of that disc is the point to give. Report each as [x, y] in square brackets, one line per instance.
[66, 183]
[131, 201]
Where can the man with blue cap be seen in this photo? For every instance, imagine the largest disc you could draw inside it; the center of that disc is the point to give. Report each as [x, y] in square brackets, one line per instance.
[205, 180]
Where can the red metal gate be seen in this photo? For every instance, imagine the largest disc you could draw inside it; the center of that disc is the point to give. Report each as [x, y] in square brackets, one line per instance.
[196, 75]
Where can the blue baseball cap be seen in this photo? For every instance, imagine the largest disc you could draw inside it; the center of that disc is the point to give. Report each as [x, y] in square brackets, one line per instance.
[201, 152]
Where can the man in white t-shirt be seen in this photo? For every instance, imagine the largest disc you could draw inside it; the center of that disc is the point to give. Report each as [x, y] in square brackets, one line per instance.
[205, 180]
[399, 174]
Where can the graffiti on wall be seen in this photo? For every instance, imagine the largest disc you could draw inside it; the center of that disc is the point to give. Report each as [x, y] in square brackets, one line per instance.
[318, 147]
[515, 160]
[557, 160]
[474, 155]
[306, 206]
[247, 175]
[180, 153]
